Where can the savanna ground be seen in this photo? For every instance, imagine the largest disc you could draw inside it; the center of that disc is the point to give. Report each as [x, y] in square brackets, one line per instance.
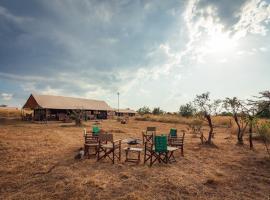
[37, 162]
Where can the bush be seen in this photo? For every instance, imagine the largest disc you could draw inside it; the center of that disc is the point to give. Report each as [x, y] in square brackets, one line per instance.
[187, 110]
[264, 133]
[157, 111]
[144, 110]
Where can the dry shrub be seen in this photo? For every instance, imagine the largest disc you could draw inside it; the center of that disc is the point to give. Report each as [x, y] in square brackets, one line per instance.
[224, 121]
[176, 119]
[10, 113]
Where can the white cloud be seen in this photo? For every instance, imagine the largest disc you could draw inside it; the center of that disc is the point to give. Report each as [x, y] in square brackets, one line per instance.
[6, 96]
[9, 16]
[254, 17]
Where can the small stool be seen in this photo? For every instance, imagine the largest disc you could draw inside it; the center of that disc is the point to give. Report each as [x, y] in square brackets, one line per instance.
[135, 150]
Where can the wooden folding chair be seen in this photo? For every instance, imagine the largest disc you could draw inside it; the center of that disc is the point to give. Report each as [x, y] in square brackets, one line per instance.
[149, 134]
[148, 142]
[157, 151]
[90, 143]
[108, 147]
[172, 135]
[179, 142]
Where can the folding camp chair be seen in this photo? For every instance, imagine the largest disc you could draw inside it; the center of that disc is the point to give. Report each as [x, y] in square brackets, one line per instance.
[95, 130]
[149, 134]
[179, 142]
[172, 135]
[90, 143]
[108, 147]
[148, 142]
[157, 151]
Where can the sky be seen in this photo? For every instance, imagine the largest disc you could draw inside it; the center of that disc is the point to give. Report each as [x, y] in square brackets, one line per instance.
[154, 53]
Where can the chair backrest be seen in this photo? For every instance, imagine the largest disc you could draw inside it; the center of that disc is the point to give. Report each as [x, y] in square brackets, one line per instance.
[89, 139]
[151, 129]
[95, 130]
[105, 137]
[161, 143]
[148, 137]
[173, 132]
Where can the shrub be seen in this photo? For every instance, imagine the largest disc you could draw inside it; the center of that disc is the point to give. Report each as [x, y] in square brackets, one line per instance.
[264, 132]
[157, 111]
[144, 110]
[187, 110]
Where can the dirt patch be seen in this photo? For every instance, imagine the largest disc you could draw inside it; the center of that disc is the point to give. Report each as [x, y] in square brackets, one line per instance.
[37, 162]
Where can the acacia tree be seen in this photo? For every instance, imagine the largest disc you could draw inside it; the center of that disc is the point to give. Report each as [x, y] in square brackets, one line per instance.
[207, 108]
[77, 115]
[253, 109]
[234, 106]
[157, 111]
[144, 110]
[187, 110]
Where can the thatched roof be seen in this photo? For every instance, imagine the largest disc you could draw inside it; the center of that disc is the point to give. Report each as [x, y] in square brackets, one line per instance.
[59, 102]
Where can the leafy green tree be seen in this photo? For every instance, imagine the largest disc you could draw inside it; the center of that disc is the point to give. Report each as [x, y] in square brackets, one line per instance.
[144, 110]
[187, 110]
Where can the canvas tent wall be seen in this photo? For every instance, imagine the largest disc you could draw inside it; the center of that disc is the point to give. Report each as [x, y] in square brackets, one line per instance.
[125, 112]
[51, 107]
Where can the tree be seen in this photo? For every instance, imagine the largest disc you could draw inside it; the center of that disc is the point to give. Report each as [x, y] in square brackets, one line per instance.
[234, 106]
[77, 115]
[253, 109]
[144, 110]
[157, 111]
[207, 108]
[187, 110]
[263, 102]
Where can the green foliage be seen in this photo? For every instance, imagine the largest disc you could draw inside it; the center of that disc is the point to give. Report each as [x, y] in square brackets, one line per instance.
[265, 111]
[226, 114]
[264, 132]
[187, 110]
[144, 110]
[157, 111]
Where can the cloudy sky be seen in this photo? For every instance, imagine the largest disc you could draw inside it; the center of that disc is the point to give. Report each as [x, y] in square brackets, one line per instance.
[155, 53]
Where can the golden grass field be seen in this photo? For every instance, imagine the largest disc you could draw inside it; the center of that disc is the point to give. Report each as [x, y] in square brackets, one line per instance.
[37, 162]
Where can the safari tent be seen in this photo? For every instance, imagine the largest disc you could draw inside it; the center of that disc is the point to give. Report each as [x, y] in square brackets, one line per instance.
[49, 107]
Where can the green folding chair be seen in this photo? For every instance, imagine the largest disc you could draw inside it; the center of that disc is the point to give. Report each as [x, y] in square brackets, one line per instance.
[172, 135]
[95, 130]
[173, 132]
[158, 151]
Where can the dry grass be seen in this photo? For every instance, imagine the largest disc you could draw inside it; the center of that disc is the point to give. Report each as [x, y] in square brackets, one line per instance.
[174, 119]
[10, 113]
[177, 119]
[37, 163]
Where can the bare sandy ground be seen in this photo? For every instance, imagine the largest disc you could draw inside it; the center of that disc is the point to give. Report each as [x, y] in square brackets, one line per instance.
[37, 162]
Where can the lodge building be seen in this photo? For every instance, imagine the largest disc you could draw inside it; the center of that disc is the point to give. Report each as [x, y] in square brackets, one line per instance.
[49, 107]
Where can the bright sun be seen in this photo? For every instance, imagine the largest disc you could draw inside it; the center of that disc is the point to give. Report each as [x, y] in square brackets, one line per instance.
[220, 43]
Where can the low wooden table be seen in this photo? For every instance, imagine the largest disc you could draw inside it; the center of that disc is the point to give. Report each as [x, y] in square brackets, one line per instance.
[133, 150]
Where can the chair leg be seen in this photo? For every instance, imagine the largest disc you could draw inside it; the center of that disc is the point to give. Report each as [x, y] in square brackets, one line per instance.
[113, 156]
[98, 153]
[119, 154]
[151, 159]
[182, 150]
[144, 157]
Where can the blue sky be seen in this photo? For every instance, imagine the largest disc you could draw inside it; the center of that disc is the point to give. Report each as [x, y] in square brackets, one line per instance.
[155, 53]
